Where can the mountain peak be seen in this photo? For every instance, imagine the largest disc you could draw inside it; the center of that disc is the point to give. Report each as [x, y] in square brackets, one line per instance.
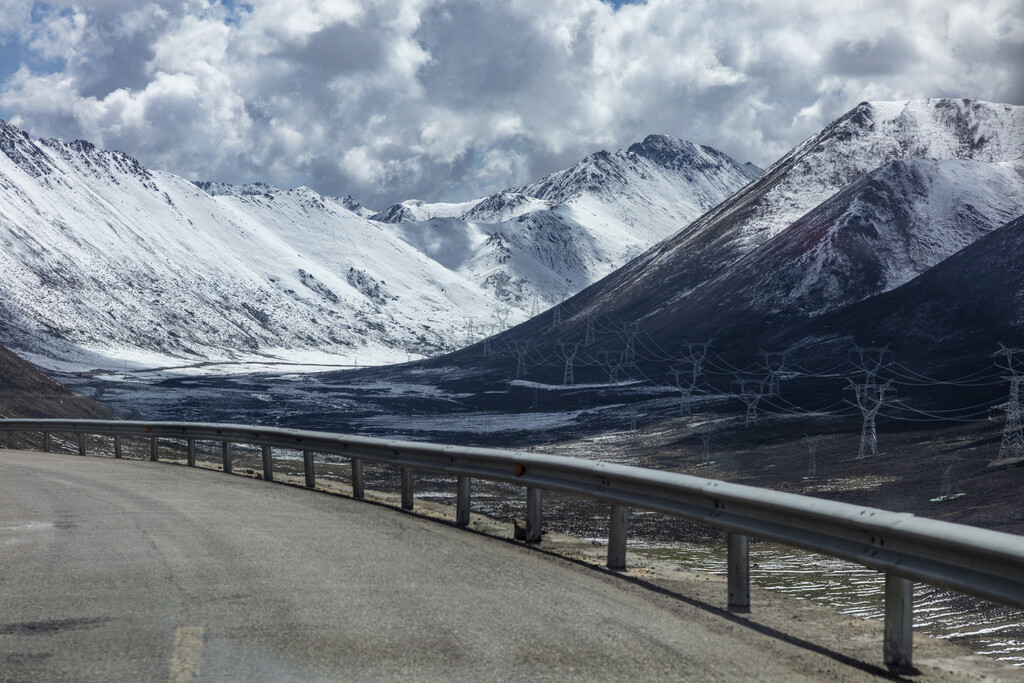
[657, 145]
[18, 146]
[681, 155]
[216, 189]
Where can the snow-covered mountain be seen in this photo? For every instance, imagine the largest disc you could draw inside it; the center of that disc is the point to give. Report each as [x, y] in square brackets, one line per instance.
[884, 230]
[874, 200]
[349, 202]
[102, 259]
[863, 140]
[564, 232]
[880, 232]
[416, 210]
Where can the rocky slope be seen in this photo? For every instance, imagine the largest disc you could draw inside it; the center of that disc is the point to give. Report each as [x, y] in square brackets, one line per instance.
[27, 392]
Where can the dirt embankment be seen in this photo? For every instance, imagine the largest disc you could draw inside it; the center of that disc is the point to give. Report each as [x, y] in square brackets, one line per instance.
[26, 392]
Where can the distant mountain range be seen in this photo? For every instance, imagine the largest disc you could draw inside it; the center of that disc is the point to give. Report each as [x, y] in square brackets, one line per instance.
[568, 230]
[873, 203]
[103, 261]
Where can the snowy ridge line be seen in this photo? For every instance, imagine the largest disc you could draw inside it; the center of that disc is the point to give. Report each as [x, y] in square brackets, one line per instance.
[978, 562]
[103, 260]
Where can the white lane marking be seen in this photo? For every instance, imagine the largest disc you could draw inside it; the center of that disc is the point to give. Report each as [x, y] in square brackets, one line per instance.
[188, 654]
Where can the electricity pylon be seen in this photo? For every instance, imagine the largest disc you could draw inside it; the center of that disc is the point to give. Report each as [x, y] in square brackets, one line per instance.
[870, 398]
[487, 342]
[628, 332]
[870, 360]
[685, 386]
[567, 350]
[611, 361]
[947, 462]
[694, 353]
[1012, 445]
[775, 364]
[588, 338]
[705, 453]
[520, 347]
[751, 391]
[812, 452]
[502, 316]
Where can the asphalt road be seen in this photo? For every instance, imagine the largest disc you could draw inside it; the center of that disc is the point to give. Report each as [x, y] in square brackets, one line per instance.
[125, 570]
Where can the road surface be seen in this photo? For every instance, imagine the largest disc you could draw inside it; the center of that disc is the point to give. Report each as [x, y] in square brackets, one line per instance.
[126, 570]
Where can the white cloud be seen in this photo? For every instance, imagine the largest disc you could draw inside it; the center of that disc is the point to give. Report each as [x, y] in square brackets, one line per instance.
[389, 99]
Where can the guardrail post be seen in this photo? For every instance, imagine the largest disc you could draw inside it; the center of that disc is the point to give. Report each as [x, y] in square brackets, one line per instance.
[898, 648]
[617, 527]
[462, 501]
[226, 456]
[81, 443]
[190, 445]
[268, 464]
[154, 449]
[117, 446]
[739, 572]
[307, 467]
[406, 488]
[533, 515]
[357, 478]
[46, 442]
[8, 439]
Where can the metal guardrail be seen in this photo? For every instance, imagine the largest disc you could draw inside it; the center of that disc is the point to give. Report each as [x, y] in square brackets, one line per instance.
[974, 561]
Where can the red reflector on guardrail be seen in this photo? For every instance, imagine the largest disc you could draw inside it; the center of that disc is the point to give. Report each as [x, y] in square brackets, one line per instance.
[519, 470]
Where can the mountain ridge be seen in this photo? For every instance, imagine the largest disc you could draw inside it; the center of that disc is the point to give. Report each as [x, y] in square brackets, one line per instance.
[573, 227]
[104, 260]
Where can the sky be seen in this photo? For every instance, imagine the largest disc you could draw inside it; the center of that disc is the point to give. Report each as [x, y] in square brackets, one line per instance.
[445, 100]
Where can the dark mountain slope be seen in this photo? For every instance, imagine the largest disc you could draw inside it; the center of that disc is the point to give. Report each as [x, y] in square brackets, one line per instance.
[27, 392]
[960, 310]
